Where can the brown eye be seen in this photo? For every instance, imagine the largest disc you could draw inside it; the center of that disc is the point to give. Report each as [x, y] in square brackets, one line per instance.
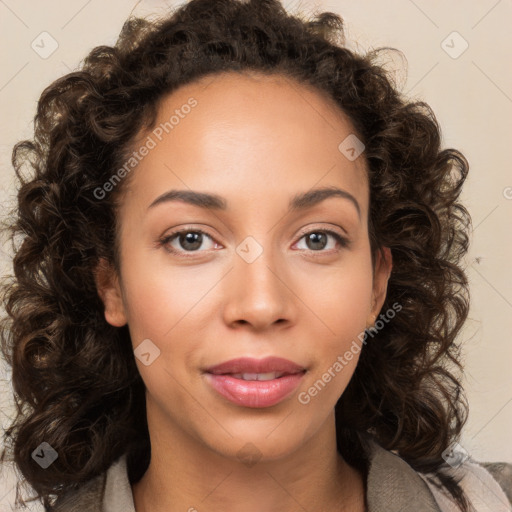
[318, 240]
[185, 240]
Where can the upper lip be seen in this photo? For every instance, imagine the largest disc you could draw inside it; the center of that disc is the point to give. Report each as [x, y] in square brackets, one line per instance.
[250, 365]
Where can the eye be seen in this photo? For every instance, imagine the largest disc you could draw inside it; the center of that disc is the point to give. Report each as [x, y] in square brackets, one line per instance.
[190, 240]
[317, 240]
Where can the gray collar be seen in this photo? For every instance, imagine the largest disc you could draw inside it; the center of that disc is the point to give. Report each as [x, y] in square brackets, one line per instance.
[393, 486]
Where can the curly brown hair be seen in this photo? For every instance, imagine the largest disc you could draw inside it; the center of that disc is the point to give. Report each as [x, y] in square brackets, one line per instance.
[88, 403]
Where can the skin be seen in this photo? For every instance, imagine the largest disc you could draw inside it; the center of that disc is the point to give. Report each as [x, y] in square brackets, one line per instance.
[256, 141]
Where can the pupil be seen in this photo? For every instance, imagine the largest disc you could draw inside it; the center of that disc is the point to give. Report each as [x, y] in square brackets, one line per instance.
[192, 238]
[314, 238]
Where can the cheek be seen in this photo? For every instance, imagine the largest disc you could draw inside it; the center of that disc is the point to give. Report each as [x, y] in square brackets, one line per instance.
[160, 300]
[339, 302]
[339, 299]
[170, 306]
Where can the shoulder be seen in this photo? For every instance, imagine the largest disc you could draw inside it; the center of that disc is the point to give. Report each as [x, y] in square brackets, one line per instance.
[502, 473]
[392, 484]
[87, 498]
[487, 486]
[109, 492]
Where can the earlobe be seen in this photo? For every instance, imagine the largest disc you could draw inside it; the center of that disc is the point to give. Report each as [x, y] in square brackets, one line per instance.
[109, 290]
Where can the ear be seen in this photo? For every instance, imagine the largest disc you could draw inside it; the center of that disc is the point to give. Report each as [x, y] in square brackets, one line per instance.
[109, 290]
[383, 266]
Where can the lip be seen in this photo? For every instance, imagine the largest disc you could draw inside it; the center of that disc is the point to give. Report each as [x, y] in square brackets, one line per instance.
[255, 393]
[250, 365]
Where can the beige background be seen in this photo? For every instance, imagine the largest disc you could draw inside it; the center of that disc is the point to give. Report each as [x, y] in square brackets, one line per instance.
[471, 95]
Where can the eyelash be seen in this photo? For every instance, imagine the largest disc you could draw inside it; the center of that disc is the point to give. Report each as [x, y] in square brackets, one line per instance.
[164, 241]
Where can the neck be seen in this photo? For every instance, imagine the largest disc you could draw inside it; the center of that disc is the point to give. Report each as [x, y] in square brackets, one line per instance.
[186, 475]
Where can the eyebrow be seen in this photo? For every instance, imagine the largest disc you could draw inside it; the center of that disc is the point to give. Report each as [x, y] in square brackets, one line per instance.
[299, 202]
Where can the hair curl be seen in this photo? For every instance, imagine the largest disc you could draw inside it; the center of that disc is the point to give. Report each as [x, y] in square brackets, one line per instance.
[76, 384]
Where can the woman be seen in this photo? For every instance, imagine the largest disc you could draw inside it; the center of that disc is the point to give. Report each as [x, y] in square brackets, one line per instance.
[238, 285]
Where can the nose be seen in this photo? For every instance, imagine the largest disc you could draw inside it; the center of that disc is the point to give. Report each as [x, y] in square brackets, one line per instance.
[258, 294]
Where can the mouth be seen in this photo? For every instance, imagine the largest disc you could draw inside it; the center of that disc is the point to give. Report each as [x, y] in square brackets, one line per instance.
[257, 376]
[255, 383]
[257, 369]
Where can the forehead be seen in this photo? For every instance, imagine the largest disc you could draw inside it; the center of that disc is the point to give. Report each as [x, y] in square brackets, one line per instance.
[253, 134]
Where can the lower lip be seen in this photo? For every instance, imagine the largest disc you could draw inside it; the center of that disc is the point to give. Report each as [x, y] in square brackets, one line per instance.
[254, 393]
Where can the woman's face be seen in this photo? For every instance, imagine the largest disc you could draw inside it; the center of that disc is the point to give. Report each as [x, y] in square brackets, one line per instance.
[265, 279]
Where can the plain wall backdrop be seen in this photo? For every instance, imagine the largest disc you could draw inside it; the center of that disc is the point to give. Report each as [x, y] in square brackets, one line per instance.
[458, 61]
